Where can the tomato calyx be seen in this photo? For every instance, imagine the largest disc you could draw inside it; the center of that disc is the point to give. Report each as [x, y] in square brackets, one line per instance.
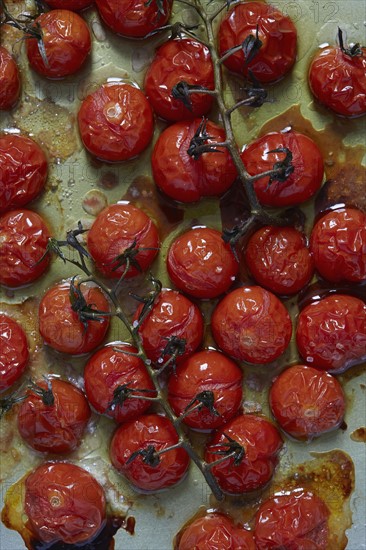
[159, 5]
[182, 91]
[353, 51]
[283, 168]
[84, 310]
[47, 395]
[204, 399]
[231, 449]
[123, 392]
[251, 46]
[149, 456]
[175, 347]
[128, 258]
[148, 301]
[198, 144]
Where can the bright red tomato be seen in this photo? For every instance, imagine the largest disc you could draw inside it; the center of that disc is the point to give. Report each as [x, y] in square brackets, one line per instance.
[24, 238]
[14, 352]
[184, 178]
[148, 433]
[276, 32]
[260, 441]
[64, 503]
[57, 427]
[134, 18]
[62, 328]
[116, 122]
[9, 81]
[201, 264]
[251, 324]
[331, 333]
[23, 171]
[299, 186]
[117, 229]
[73, 5]
[297, 520]
[180, 60]
[66, 40]
[338, 245]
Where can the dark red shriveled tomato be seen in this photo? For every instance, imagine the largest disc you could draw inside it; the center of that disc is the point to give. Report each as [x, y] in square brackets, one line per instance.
[10, 84]
[14, 352]
[73, 5]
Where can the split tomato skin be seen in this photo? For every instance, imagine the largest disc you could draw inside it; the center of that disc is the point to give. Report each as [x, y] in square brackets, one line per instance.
[10, 83]
[14, 351]
[72, 5]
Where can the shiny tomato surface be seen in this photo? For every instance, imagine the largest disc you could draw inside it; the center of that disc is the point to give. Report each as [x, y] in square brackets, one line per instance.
[73, 5]
[64, 503]
[14, 352]
[67, 43]
[10, 83]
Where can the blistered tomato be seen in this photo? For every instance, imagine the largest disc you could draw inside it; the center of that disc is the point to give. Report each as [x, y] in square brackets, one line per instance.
[14, 352]
[9, 81]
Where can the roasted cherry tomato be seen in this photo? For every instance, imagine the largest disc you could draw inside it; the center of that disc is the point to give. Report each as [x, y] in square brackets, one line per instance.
[279, 259]
[299, 185]
[134, 449]
[64, 503]
[201, 264]
[66, 40]
[14, 352]
[114, 380]
[307, 402]
[178, 61]
[172, 319]
[331, 333]
[63, 327]
[214, 531]
[251, 324]
[256, 443]
[134, 18]
[338, 245]
[123, 239]
[183, 177]
[276, 33]
[23, 171]
[53, 417]
[73, 5]
[9, 81]
[23, 244]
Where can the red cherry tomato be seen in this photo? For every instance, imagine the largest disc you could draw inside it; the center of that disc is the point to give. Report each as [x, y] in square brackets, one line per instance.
[118, 228]
[66, 40]
[201, 264]
[172, 316]
[251, 324]
[331, 333]
[73, 5]
[260, 441]
[141, 434]
[23, 171]
[184, 178]
[9, 81]
[116, 122]
[24, 238]
[297, 520]
[134, 18]
[206, 371]
[14, 352]
[299, 186]
[181, 60]
[338, 245]
[61, 327]
[64, 503]
[276, 32]
[57, 427]
[109, 370]
[279, 259]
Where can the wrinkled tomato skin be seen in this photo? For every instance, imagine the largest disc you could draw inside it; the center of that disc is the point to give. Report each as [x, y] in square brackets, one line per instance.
[117, 228]
[251, 324]
[304, 181]
[116, 122]
[133, 18]
[72, 5]
[64, 503]
[307, 402]
[201, 264]
[56, 428]
[23, 171]
[180, 60]
[24, 238]
[10, 84]
[183, 178]
[139, 434]
[276, 32]
[207, 370]
[61, 327]
[295, 521]
[338, 246]
[14, 352]
[171, 315]
[261, 442]
[108, 369]
[67, 43]
[331, 333]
